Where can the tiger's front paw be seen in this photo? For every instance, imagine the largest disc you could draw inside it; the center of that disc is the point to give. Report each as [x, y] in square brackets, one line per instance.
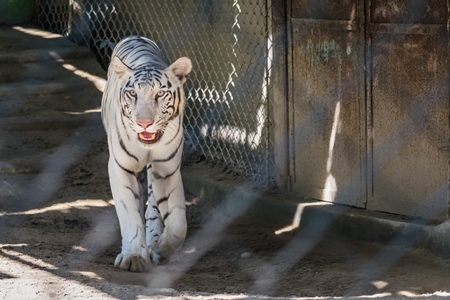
[133, 263]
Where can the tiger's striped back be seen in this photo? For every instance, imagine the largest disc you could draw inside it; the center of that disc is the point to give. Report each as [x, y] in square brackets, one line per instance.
[137, 51]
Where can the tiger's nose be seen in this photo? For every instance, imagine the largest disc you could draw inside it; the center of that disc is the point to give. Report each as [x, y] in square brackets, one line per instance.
[145, 124]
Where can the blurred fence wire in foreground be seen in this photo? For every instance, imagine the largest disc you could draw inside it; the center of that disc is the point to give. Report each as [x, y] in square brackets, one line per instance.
[228, 111]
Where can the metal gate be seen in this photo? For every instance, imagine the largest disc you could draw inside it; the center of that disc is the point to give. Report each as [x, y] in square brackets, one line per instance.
[370, 104]
[409, 104]
[328, 105]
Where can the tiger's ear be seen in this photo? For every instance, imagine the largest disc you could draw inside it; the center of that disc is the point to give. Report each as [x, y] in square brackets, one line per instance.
[119, 67]
[181, 68]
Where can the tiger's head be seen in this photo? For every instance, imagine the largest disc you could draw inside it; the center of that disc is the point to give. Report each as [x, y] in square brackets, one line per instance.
[151, 96]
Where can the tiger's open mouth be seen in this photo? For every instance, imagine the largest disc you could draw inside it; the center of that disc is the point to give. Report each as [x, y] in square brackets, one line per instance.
[148, 137]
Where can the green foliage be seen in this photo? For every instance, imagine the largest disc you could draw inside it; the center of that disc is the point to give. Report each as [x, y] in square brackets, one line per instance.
[16, 11]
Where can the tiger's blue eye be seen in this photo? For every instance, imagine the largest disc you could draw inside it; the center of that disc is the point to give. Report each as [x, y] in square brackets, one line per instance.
[160, 93]
[131, 93]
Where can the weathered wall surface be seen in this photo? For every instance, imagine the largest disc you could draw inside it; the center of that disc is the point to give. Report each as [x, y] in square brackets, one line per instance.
[371, 104]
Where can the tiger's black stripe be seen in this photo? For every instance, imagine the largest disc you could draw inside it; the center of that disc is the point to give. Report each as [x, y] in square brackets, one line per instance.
[166, 215]
[172, 155]
[117, 162]
[123, 124]
[135, 236]
[156, 207]
[122, 145]
[137, 49]
[157, 176]
[178, 95]
[169, 84]
[176, 134]
[176, 105]
[136, 196]
[124, 205]
[126, 170]
[164, 199]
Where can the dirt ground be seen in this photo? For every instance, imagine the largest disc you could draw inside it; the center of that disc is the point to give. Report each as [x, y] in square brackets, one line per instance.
[59, 233]
[66, 249]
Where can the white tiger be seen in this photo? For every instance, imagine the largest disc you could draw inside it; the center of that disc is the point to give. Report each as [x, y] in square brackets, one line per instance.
[142, 112]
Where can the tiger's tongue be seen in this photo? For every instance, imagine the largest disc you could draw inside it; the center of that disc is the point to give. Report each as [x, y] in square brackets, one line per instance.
[149, 136]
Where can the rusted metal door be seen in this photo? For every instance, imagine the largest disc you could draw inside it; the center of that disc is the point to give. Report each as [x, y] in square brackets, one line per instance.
[409, 106]
[328, 108]
[370, 104]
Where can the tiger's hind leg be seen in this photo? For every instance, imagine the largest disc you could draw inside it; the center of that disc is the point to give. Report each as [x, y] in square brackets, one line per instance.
[153, 222]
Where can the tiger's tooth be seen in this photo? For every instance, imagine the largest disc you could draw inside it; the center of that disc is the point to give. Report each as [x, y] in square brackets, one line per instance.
[147, 136]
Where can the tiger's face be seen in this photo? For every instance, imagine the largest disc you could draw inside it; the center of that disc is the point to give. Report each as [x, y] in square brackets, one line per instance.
[151, 98]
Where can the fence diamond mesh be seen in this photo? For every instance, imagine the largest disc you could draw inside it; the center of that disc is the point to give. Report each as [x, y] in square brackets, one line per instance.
[228, 110]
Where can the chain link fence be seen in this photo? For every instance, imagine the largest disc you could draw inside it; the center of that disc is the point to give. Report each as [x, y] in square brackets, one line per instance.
[228, 111]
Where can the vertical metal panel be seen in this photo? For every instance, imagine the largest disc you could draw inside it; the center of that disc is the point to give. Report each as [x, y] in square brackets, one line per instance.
[409, 86]
[328, 102]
